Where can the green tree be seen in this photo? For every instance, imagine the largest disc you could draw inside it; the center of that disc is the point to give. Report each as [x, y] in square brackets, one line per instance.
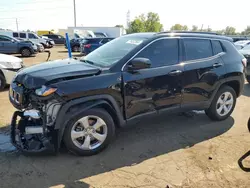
[230, 30]
[179, 27]
[142, 23]
[194, 28]
[246, 31]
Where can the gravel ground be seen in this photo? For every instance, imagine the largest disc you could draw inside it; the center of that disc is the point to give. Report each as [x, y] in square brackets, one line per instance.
[185, 150]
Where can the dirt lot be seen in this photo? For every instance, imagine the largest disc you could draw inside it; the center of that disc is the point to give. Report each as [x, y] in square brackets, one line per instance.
[188, 151]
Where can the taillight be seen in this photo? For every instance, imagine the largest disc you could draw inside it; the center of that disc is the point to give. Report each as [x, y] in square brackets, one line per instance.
[244, 62]
[87, 45]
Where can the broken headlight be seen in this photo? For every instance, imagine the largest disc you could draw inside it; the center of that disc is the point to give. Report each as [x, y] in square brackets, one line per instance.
[45, 91]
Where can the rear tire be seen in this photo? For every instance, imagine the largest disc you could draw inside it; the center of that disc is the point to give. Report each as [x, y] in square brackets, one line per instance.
[89, 132]
[223, 104]
[76, 49]
[26, 52]
[2, 82]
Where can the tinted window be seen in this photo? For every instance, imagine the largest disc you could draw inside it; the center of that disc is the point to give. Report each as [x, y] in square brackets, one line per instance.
[32, 36]
[161, 53]
[197, 48]
[217, 47]
[4, 38]
[15, 34]
[105, 41]
[22, 35]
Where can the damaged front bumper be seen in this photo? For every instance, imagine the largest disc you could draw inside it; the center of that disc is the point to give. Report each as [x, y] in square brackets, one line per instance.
[29, 136]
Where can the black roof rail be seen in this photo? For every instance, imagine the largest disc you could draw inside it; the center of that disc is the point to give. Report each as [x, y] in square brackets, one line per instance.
[195, 32]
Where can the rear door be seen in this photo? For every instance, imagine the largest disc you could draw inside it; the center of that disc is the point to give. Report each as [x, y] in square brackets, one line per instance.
[203, 68]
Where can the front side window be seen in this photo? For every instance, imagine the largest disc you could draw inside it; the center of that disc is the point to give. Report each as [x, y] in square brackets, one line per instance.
[162, 52]
[32, 36]
[197, 49]
[4, 39]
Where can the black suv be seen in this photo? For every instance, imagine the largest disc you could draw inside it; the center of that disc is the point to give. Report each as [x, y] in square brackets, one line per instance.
[82, 102]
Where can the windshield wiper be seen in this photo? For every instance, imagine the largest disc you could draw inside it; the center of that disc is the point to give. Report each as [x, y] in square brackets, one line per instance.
[88, 61]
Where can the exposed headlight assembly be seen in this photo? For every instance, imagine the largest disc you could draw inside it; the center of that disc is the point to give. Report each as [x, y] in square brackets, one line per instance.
[45, 91]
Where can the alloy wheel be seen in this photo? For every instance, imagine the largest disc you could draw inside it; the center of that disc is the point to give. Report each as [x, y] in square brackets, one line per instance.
[89, 132]
[224, 103]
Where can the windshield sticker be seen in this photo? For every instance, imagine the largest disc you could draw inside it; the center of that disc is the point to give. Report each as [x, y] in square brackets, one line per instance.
[135, 42]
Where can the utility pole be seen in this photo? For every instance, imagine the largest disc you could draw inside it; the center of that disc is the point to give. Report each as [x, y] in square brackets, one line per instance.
[74, 12]
[16, 25]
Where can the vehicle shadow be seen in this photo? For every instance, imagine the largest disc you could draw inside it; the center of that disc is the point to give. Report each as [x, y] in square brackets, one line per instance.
[133, 145]
[246, 90]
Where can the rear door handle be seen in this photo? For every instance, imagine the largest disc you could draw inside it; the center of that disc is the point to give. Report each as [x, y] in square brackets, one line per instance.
[217, 65]
[175, 73]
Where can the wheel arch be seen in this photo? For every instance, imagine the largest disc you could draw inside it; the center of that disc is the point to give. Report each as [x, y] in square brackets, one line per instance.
[77, 106]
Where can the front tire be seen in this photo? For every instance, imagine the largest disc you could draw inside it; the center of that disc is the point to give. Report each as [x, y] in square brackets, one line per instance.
[2, 82]
[89, 132]
[26, 52]
[76, 48]
[223, 104]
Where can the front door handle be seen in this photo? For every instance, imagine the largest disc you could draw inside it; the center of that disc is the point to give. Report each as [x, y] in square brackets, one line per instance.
[175, 73]
[217, 65]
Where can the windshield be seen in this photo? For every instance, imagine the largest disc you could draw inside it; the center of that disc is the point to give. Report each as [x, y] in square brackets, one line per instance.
[246, 47]
[113, 51]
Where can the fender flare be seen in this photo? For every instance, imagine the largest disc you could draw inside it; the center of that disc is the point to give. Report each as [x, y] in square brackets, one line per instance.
[80, 105]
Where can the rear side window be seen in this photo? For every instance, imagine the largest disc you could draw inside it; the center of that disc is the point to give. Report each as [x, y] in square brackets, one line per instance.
[23, 35]
[217, 48]
[15, 34]
[163, 52]
[197, 48]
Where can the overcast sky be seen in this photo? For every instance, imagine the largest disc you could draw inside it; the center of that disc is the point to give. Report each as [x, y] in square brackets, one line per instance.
[54, 14]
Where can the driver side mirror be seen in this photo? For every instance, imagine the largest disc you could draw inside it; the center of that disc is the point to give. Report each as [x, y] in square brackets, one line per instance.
[138, 64]
[13, 41]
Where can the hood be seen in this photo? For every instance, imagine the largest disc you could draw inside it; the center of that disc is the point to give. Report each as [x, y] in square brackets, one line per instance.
[9, 61]
[38, 75]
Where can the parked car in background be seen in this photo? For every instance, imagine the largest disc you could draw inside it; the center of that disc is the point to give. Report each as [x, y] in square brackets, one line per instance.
[10, 45]
[90, 44]
[239, 38]
[39, 47]
[49, 42]
[25, 35]
[133, 77]
[241, 44]
[58, 39]
[9, 65]
[100, 34]
[74, 44]
[246, 52]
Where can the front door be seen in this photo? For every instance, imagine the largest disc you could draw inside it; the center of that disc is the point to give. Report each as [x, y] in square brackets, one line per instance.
[156, 88]
[203, 69]
[8, 45]
[33, 38]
